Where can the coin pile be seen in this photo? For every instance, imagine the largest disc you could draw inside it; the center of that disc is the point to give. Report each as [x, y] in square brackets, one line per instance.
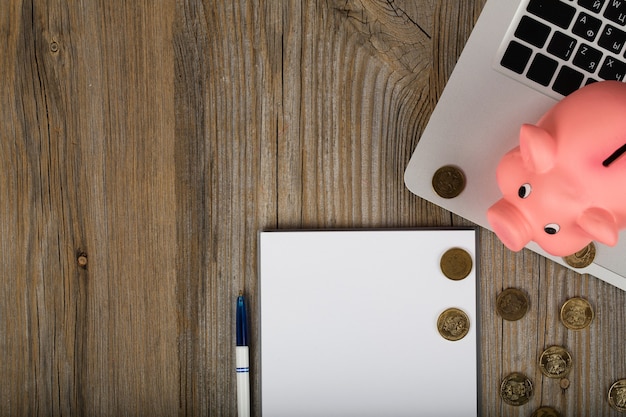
[555, 362]
[453, 324]
[516, 388]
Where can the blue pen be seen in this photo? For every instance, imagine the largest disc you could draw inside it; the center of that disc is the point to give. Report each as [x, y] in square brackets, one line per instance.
[242, 359]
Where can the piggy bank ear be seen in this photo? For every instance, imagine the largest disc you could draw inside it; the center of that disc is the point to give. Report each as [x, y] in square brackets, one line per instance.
[600, 225]
[538, 148]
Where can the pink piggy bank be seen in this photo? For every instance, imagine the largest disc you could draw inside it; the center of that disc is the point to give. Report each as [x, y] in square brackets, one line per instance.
[565, 184]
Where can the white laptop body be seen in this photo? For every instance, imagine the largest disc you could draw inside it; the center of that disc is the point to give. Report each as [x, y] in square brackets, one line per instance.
[477, 121]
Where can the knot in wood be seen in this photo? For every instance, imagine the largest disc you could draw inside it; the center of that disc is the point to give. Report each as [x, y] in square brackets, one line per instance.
[82, 260]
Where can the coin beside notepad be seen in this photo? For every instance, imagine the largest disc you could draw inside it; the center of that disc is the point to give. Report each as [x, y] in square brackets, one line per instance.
[512, 304]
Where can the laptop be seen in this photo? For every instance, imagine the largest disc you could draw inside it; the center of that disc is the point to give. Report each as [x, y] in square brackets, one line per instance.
[521, 58]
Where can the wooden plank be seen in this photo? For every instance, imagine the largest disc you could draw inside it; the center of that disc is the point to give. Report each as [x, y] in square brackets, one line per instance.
[157, 138]
[87, 146]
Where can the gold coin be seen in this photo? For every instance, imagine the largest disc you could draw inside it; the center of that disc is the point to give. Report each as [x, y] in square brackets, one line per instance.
[576, 313]
[546, 412]
[617, 395]
[512, 304]
[448, 181]
[516, 389]
[555, 362]
[582, 258]
[453, 324]
[456, 264]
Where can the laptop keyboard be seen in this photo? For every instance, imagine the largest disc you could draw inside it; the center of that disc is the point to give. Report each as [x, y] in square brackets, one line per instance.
[558, 46]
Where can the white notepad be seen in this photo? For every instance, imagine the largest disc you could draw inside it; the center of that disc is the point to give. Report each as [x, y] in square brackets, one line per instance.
[349, 324]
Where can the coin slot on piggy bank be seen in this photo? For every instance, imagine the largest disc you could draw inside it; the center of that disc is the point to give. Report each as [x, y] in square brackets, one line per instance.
[563, 185]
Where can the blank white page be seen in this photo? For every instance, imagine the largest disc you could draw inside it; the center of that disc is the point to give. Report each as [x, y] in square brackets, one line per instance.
[349, 324]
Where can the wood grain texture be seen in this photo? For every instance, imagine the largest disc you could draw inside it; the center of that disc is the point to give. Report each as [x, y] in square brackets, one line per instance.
[157, 138]
[87, 143]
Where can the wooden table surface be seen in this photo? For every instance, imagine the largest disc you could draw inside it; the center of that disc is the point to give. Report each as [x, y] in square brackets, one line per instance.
[144, 144]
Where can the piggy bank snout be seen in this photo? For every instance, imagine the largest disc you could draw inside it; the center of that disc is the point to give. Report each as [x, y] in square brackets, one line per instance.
[509, 224]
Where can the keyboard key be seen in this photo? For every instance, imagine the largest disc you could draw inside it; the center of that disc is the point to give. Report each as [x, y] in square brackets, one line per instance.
[561, 45]
[612, 39]
[586, 26]
[542, 69]
[567, 81]
[593, 5]
[516, 57]
[612, 69]
[616, 11]
[554, 11]
[532, 31]
[587, 58]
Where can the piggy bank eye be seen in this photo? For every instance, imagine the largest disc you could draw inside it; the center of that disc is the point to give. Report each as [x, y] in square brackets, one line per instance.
[524, 191]
[552, 228]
